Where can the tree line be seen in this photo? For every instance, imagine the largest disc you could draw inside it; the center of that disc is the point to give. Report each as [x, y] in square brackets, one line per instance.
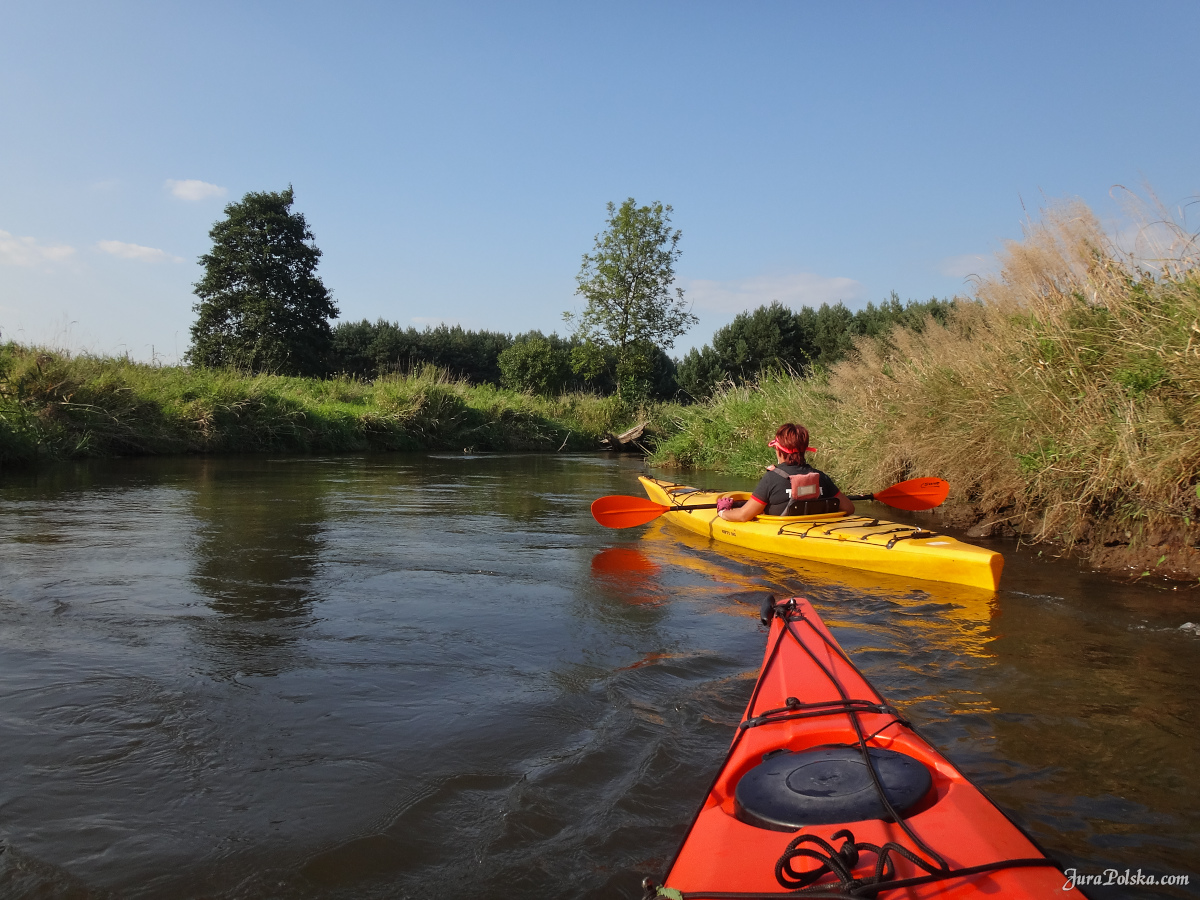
[262, 308]
[800, 342]
[533, 361]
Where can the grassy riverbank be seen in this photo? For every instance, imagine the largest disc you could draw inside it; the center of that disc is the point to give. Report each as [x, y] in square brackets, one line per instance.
[1063, 405]
[56, 406]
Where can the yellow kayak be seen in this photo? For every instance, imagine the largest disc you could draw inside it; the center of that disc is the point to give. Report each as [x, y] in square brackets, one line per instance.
[856, 541]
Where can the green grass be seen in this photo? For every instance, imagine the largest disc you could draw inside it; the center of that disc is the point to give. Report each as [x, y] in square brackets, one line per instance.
[57, 406]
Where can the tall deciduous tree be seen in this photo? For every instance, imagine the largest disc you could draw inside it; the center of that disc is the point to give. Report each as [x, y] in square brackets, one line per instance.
[262, 306]
[632, 304]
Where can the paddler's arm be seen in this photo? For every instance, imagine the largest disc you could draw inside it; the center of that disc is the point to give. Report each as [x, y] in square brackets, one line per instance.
[745, 512]
[844, 503]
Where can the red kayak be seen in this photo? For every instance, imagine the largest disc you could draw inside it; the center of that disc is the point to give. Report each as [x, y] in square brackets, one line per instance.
[828, 792]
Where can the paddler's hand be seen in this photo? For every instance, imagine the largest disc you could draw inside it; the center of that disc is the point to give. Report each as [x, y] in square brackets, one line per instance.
[732, 510]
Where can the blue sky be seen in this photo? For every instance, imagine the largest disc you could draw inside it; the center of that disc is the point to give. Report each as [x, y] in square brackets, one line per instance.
[454, 159]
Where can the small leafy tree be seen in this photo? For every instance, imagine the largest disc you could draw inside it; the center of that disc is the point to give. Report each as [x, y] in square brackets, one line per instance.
[632, 307]
[262, 307]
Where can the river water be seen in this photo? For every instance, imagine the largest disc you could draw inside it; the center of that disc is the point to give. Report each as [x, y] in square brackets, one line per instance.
[435, 676]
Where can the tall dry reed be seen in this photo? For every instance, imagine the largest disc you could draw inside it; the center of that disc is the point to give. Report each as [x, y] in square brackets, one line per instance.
[1062, 401]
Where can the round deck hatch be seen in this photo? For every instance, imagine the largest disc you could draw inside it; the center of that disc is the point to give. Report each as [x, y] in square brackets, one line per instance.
[827, 785]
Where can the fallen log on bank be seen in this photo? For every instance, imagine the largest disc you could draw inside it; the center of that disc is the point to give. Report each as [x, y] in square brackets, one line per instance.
[626, 441]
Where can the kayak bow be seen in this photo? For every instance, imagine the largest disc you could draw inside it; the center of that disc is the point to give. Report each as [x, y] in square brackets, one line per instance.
[828, 791]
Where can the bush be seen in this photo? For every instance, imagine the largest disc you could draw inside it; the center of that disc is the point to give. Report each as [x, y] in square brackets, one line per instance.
[535, 366]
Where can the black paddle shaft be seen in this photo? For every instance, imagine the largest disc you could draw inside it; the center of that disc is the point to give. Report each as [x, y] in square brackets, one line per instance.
[736, 503]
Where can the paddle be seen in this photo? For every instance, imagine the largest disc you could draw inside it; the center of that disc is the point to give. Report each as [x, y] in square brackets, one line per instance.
[916, 494]
[617, 511]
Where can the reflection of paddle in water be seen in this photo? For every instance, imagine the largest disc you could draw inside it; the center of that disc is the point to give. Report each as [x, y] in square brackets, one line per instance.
[622, 561]
[630, 570]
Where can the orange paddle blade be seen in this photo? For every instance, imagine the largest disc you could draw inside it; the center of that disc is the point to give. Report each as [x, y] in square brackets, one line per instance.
[618, 511]
[919, 493]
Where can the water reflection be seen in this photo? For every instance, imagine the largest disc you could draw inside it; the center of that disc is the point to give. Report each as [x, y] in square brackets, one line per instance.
[628, 574]
[1094, 709]
[256, 553]
[258, 539]
[954, 617]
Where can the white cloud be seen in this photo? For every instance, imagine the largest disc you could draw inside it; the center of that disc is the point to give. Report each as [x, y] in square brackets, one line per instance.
[192, 189]
[794, 290]
[967, 264]
[136, 251]
[26, 251]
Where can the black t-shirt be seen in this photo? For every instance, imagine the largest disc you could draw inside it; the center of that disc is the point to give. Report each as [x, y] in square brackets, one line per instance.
[776, 491]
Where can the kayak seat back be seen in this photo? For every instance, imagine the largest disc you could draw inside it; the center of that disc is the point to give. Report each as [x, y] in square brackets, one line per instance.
[819, 507]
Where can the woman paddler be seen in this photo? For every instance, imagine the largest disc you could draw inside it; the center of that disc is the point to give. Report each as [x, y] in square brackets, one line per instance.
[791, 487]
